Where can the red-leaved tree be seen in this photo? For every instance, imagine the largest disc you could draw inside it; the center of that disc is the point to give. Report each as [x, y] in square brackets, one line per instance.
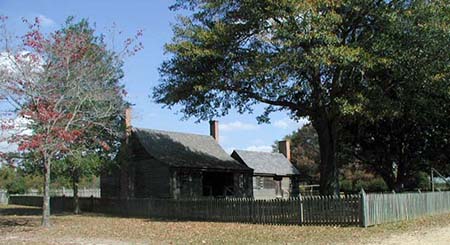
[66, 85]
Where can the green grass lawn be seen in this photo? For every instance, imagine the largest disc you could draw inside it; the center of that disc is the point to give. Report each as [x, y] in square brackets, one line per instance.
[20, 224]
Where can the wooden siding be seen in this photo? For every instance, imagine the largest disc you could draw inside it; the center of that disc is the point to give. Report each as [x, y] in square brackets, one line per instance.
[110, 183]
[151, 179]
[243, 185]
[140, 175]
[186, 183]
[265, 187]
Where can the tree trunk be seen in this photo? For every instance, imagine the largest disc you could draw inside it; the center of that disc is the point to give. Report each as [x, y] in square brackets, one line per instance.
[383, 167]
[46, 198]
[388, 179]
[401, 177]
[76, 203]
[329, 178]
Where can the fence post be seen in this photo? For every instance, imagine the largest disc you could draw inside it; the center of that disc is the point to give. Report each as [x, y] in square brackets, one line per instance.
[63, 203]
[363, 211]
[300, 199]
[92, 203]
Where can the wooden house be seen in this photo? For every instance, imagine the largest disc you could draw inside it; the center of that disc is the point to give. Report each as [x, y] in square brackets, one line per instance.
[163, 164]
[274, 175]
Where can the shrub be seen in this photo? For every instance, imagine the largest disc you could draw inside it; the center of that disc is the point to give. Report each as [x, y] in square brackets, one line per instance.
[11, 181]
[372, 185]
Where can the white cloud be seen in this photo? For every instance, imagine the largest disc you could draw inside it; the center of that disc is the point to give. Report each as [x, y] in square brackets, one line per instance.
[20, 65]
[282, 123]
[257, 142]
[10, 127]
[15, 126]
[263, 148]
[260, 148]
[45, 21]
[237, 125]
[302, 122]
[286, 123]
[7, 147]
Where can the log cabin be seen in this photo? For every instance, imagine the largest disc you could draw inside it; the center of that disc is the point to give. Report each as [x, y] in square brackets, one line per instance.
[164, 164]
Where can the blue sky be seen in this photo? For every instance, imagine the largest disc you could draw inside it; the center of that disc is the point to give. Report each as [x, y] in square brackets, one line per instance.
[141, 71]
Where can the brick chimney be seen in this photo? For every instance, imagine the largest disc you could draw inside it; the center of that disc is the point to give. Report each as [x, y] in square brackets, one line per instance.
[214, 129]
[128, 121]
[285, 148]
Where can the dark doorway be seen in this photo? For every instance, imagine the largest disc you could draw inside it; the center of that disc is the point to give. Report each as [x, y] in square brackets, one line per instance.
[217, 184]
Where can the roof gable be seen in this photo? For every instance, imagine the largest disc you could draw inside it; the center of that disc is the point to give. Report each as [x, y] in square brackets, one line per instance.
[266, 163]
[186, 150]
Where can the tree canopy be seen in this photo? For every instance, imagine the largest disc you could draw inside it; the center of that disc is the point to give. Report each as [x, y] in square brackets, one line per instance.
[325, 60]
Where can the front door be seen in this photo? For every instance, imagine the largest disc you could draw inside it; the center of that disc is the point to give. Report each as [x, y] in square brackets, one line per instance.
[218, 184]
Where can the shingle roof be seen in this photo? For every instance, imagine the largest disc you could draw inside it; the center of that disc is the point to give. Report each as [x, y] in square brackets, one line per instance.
[186, 150]
[266, 163]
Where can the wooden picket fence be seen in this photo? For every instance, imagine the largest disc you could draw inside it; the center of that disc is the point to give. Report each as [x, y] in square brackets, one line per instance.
[225, 210]
[392, 207]
[331, 210]
[363, 209]
[309, 210]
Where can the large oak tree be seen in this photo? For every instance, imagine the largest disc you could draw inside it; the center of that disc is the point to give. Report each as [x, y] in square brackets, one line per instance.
[314, 59]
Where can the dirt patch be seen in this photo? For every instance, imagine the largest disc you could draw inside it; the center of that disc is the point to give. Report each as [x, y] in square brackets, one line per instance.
[429, 236]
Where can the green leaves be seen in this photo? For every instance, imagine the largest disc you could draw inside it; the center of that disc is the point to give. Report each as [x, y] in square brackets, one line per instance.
[266, 51]
[331, 61]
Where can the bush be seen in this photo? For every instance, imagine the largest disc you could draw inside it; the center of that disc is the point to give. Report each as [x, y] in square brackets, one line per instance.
[422, 180]
[372, 185]
[33, 181]
[346, 186]
[17, 186]
[376, 185]
[11, 181]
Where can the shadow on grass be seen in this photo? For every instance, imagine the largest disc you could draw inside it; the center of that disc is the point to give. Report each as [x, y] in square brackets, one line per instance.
[20, 210]
[26, 211]
[13, 218]
[15, 222]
